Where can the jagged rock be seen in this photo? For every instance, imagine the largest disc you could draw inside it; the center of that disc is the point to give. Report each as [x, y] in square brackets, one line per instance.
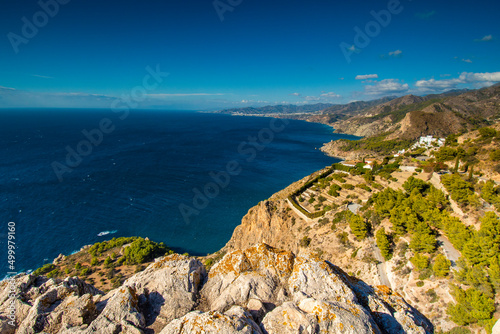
[121, 315]
[167, 289]
[258, 290]
[319, 294]
[315, 278]
[390, 310]
[38, 303]
[256, 308]
[235, 320]
[288, 318]
[260, 272]
[59, 259]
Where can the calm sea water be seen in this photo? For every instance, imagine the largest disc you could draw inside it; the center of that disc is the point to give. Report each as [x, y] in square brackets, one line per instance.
[134, 181]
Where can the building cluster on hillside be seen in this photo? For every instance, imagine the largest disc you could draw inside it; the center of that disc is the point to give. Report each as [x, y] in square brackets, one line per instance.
[367, 163]
[425, 142]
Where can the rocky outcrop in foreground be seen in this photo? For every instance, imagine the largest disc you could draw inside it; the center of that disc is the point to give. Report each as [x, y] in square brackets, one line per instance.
[258, 290]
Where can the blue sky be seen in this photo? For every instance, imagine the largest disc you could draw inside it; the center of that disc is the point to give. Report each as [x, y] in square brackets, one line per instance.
[228, 53]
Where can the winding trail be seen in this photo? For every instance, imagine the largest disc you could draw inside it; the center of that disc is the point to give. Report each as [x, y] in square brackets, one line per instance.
[382, 273]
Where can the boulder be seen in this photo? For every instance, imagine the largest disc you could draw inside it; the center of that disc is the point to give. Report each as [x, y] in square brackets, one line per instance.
[235, 320]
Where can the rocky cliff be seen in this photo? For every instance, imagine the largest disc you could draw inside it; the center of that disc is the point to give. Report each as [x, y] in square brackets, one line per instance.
[257, 290]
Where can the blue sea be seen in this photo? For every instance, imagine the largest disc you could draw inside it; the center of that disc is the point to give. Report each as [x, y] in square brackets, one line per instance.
[132, 179]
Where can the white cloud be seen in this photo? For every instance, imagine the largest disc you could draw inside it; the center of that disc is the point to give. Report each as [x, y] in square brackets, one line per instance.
[330, 95]
[387, 86]
[182, 94]
[478, 79]
[295, 94]
[312, 98]
[486, 38]
[254, 101]
[323, 97]
[6, 88]
[366, 76]
[467, 61]
[440, 85]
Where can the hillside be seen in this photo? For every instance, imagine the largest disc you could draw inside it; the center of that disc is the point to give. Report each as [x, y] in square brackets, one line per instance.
[402, 225]
[410, 117]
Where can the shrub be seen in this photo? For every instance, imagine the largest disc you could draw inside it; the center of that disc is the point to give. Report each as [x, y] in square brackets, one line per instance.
[343, 238]
[425, 274]
[348, 186]
[85, 271]
[305, 242]
[209, 262]
[441, 266]
[420, 261]
[46, 268]
[432, 296]
[420, 284]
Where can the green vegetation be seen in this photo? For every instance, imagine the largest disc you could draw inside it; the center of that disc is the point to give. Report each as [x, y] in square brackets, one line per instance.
[383, 243]
[472, 306]
[46, 268]
[376, 144]
[441, 266]
[100, 247]
[460, 190]
[305, 242]
[420, 261]
[359, 227]
[142, 250]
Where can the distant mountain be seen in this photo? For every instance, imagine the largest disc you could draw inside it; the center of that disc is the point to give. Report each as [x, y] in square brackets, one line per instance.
[409, 117]
[278, 109]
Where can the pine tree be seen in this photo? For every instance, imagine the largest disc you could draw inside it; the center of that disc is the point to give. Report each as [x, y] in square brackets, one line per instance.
[441, 266]
[422, 239]
[358, 227]
[383, 243]
[471, 173]
[420, 261]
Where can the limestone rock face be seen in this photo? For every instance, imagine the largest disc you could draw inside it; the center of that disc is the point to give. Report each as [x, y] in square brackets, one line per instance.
[167, 289]
[47, 305]
[260, 272]
[235, 320]
[259, 290]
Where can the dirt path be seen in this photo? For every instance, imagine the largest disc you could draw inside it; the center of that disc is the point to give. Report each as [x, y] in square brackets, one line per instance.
[451, 252]
[384, 280]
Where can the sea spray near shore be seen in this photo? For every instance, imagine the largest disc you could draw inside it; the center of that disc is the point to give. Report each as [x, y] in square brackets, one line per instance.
[135, 180]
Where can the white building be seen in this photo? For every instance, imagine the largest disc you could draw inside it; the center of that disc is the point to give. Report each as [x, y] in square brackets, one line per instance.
[428, 142]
